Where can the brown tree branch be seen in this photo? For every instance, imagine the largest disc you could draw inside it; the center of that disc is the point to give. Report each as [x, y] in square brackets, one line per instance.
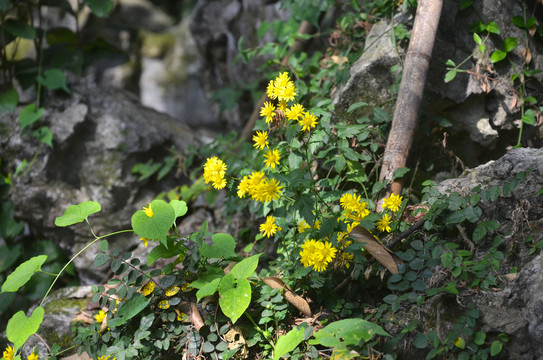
[411, 90]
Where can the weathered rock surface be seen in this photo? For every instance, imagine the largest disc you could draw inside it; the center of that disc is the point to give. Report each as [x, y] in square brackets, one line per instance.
[484, 113]
[98, 136]
[516, 310]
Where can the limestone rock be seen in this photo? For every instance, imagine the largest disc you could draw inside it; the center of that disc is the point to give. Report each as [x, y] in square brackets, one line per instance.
[99, 135]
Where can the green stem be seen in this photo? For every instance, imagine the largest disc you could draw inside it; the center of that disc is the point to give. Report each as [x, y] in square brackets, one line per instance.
[76, 255]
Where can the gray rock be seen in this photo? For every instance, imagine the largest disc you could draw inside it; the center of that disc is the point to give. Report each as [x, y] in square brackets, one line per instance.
[101, 136]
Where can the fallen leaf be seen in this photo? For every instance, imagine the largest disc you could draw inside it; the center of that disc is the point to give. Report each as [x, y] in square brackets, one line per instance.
[514, 102]
[299, 302]
[526, 54]
[235, 339]
[379, 251]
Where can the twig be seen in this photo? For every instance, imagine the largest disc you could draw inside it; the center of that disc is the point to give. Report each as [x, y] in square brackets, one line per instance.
[406, 233]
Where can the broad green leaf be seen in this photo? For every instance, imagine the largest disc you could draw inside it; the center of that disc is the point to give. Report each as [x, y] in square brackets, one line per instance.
[223, 247]
[157, 225]
[100, 8]
[129, 309]
[449, 76]
[44, 135]
[477, 39]
[29, 115]
[234, 296]
[479, 338]
[21, 327]
[54, 79]
[288, 342]
[245, 267]
[180, 207]
[498, 56]
[400, 172]
[496, 348]
[529, 117]
[356, 106]
[23, 273]
[209, 288]
[162, 251]
[420, 341]
[347, 332]
[19, 29]
[77, 213]
[8, 100]
[492, 27]
[510, 44]
[518, 21]
[479, 232]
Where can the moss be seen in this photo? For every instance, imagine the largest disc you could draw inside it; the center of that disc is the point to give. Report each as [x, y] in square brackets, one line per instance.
[60, 306]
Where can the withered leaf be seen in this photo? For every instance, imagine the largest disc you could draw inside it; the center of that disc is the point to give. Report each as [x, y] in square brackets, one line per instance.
[379, 251]
[299, 302]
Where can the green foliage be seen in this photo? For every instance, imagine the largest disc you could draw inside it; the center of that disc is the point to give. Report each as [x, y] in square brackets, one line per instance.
[23, 273]
[78, 213]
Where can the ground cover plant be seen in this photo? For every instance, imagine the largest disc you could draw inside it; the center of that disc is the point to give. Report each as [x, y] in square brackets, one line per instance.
[325, 265]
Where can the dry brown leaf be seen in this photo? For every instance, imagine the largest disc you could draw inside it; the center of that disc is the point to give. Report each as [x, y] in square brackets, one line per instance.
[532, 30]
[235, 339]
[195, 317]
[526, 54]
[340, 60]
[84, 317]
[299, 302]
[379, 251]
[514, 102]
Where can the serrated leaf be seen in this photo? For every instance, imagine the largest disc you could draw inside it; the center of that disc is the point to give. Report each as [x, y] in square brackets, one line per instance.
[100, 8]
[234, 296]
[498, 56]
[54, 79]
[29, 115]
[8, 100]
[157, 225]
[20, 327]
[288, 342]
[223, 247]
[23, 273]
[180, 207]
[245, 267]
[77, 213]
[20, 29]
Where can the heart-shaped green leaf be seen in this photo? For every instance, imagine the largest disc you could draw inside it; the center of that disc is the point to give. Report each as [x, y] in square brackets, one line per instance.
[29, 115]
[54, 79]
[23, 273]
[223, 247]
[158, 224]
[20, 327]
[234, 296]
[77, 213]
[180, 207]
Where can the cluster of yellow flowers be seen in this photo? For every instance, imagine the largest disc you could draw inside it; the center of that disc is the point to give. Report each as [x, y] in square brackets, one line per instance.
[259, 187]
[214, 172]
[317, 254]
[9, 354]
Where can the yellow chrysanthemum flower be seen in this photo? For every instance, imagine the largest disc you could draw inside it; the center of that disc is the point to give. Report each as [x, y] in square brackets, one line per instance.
[33, 356]
[148, 211]
[214, 172]
[272, 158]
[261, 140]
[282, 80]
[302, 226]
[354, 208]
[345, 259]
[282, 105]
[272, 190]
[9, 353]
[307, 121]
[392, 202]
[270, 90]
[287, 93]
[100, 316]
[383, 224]
[269, 228]
[243, 187]
[317, 254]
[268, 111]
[296, 111]
[148, 288]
